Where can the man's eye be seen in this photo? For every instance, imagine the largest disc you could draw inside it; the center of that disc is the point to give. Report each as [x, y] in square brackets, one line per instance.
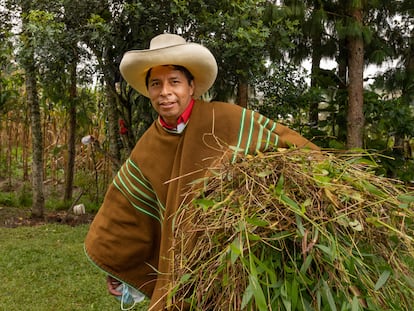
[154, 83]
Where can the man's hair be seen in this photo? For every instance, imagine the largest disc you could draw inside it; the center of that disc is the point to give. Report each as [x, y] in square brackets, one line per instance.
[184, 70]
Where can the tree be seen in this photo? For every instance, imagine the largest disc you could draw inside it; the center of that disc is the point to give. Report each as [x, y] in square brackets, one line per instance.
[236, 35]
[313, 42]
[48, 31]
[72, 18]
[397, 85]
[347, 32]
[355, 116]
[283, 93]
[113, 28]
[28, 63]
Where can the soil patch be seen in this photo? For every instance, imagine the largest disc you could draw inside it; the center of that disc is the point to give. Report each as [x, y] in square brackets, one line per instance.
[12, 217]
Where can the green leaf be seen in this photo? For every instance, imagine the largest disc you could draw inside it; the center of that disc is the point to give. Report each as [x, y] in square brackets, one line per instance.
[281, 235]
[322, 179]
[253, 237]
[372, 189]
[288, 201]
[306, 264]
[300, 226]
[257, 289]
[285, 293]
[355, 304]
[288, 269]
[403, 205]
[279, 185]
[247, 296]
[374, 221]
[294, 293]
[329, 296]
[256, 221]
[205, 204]
[235, 250]
[364, 161]
[406, 198]
[258, 294]
[267, 266]
[264, 173]
[382, 279]
[305, 204]
[327, 250]
[185, 278]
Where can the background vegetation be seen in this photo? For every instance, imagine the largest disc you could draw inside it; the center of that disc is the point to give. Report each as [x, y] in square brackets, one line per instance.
[59, 82]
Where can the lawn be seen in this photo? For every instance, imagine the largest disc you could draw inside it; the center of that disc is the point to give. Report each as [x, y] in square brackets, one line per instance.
[44, 268]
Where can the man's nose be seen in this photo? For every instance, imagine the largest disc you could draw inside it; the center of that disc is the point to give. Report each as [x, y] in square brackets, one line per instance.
[166, 89]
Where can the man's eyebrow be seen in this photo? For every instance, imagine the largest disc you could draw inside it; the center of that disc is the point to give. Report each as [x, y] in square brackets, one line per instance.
[153, 79]
[173, 76]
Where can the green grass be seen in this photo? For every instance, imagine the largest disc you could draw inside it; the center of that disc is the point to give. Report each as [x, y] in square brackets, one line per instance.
[44, 268]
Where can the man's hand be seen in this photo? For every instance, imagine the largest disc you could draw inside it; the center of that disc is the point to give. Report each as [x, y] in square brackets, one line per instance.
[112, 284]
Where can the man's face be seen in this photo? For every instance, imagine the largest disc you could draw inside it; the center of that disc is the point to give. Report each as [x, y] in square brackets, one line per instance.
[169, 92]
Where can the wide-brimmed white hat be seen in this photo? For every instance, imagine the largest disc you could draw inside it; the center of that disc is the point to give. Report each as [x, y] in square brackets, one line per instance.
[170, 49]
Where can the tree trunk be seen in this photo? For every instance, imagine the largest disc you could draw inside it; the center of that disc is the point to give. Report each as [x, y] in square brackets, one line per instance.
[342, 60]
[339, 119]
[70, 169]
[36, 124]
[355, 116]
[316, 62]
[25, 148]
[37, 143]
[408, 84]
[242, 94]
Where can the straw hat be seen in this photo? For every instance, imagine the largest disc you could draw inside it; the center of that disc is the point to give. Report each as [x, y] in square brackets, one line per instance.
[170, 49]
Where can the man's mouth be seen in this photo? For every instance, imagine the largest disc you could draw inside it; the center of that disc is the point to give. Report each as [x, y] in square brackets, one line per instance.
[167, 105]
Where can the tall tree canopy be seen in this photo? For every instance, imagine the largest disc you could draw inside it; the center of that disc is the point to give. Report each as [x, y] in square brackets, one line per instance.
[72, 50]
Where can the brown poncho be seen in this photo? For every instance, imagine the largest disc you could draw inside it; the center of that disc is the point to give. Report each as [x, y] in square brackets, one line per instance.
[130, 237]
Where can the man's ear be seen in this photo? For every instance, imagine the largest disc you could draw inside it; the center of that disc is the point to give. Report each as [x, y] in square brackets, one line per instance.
[192, 85]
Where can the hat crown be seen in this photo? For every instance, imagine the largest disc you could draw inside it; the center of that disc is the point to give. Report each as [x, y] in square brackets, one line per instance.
[166, 40]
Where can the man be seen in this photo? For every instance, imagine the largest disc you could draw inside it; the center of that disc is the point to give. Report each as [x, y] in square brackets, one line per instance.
[131, 235]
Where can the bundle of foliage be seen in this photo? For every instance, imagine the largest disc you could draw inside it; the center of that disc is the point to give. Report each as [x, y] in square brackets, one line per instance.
[296, 230]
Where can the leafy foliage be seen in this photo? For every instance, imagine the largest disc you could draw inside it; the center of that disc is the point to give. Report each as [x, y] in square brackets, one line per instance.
[256, 42]
[296, 230]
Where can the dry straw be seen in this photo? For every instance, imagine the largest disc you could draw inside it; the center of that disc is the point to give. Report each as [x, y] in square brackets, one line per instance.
[296, 230]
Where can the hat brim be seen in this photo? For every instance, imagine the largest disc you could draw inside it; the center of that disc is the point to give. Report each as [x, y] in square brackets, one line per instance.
[196, 58]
